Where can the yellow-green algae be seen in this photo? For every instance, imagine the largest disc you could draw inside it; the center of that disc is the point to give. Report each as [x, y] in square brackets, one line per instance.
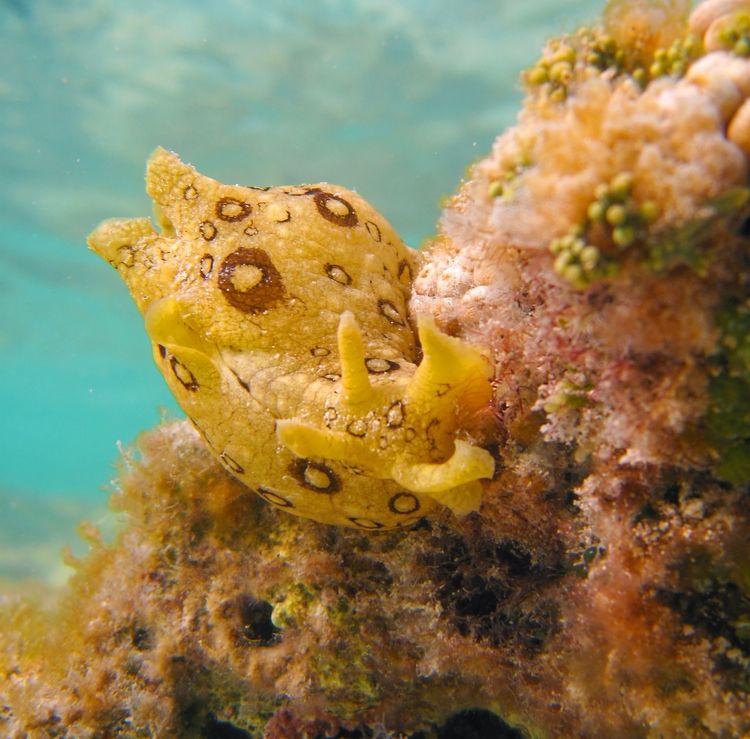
[641, 41]
[155, 632]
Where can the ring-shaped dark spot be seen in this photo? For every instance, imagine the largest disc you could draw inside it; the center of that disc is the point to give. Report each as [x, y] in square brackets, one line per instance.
[324, 201]
[390, 312]
[231, 463]
[208, 230]
[273, 497]
[206, 266]
[365, 523]
[189, 193]
[404, 503]
[374, 230]
[125, 256]
[431, 426]
[184, 375]
[315, 476]
[264, 294]
[320, 351]
[287, 219]
[378, 366]
[232, 210]
[394, 416]
[330, 414]
[357, 428]
[338, 274]
[250, 231]
[332, 377]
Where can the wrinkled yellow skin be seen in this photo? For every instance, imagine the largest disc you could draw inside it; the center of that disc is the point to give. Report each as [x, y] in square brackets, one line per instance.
[279, 320]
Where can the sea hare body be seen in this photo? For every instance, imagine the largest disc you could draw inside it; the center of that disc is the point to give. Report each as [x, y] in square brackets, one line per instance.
[279, 320]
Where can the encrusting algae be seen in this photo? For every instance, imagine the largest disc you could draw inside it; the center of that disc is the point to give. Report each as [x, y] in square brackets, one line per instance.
[599, 260]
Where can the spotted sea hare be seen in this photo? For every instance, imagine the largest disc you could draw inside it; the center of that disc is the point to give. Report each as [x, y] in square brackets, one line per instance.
[278, 318]
[601, 256]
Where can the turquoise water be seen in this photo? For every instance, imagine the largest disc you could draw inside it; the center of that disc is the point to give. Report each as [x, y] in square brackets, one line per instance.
[391, 98]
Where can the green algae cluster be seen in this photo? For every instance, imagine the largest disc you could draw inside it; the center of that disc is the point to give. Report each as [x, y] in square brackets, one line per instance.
[674, 60]
[615, 221]
[735, 34]
[505, 186]
[692, 243]
[570, 59]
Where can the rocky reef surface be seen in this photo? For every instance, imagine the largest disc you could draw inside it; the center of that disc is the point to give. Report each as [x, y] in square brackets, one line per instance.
[601, 252]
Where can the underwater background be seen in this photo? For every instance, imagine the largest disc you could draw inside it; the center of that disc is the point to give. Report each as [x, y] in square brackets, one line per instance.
[389, 98]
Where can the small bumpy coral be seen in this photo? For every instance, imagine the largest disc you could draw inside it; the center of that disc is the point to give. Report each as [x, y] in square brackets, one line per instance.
[601, 254]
